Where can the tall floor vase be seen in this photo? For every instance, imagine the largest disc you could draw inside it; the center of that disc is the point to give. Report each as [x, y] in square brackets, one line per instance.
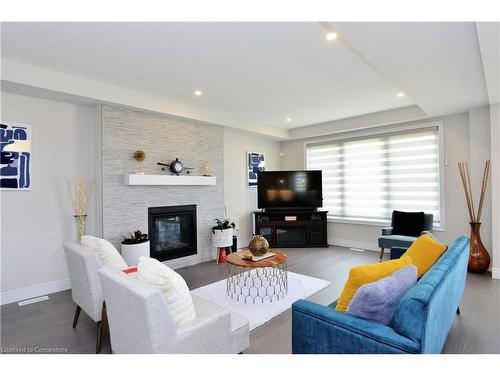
[80, 226]
[479, 259]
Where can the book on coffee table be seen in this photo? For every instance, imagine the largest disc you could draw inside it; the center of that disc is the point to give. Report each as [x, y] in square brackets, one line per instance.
[257, 258]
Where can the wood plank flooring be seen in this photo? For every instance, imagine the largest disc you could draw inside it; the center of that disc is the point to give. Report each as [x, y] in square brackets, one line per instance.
[46, 325]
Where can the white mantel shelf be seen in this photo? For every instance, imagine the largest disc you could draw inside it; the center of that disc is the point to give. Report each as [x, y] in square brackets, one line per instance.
[160, 179]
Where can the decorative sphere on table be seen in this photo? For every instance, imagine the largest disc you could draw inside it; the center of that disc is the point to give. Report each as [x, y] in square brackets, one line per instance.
[258, 246]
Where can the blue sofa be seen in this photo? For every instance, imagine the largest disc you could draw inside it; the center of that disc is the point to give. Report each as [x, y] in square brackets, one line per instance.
[420, 324]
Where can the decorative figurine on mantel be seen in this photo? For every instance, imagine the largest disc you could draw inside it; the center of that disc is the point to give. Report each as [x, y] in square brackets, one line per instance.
[206, 168]
[139, 156]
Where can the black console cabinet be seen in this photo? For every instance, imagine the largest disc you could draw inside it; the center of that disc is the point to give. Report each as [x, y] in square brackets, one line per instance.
[292, 228]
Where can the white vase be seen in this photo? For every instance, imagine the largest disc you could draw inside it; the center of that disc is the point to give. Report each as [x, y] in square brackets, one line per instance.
[132, 252]
[222, 237]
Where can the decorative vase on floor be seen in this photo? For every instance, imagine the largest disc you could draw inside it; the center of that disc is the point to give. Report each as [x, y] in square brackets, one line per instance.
[479, 259]
[80, 226]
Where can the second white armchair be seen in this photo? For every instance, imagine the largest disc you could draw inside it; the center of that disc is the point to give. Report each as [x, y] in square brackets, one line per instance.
[139, 321]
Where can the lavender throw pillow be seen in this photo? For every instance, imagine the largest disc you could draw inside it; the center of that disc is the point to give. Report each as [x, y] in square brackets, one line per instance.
[378, 300]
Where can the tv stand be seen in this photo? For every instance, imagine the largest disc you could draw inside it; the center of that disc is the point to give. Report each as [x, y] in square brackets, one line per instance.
[292, 228]
[281, 210]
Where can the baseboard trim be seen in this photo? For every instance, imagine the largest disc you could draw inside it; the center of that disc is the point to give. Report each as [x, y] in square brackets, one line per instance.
[21, 294]
[356, 244]
[495, 273]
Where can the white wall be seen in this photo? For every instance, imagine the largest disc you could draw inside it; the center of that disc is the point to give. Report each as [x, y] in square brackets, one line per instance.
[35, 223]
[457, 147]
[495, 190]
[479, 152]
[240, 199]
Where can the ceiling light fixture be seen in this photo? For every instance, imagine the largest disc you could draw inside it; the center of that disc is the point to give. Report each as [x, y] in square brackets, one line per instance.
[400, 94]
[198, 93]
[331, 36]
[288, 119]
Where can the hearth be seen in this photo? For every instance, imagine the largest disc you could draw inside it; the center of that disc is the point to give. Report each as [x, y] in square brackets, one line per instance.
[172, 231]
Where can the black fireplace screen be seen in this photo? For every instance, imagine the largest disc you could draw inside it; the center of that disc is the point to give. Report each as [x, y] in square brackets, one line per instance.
[172, 231]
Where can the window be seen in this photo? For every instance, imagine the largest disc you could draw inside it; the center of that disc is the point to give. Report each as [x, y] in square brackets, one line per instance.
[366, 178]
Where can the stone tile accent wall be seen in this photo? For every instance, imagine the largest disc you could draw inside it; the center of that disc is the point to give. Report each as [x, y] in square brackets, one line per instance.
[162, 138]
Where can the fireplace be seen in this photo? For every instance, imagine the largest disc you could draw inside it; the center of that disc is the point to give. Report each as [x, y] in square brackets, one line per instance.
[172, 231]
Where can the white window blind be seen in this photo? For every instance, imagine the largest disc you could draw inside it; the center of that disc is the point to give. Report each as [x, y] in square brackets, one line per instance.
[367, 178]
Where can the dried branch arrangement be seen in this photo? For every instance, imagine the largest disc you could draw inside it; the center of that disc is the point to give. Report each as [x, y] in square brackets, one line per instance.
[82, 191]
[463, 168]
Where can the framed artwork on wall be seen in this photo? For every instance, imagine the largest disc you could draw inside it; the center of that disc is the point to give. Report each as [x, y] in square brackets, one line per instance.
[15, 163]
[256, 163]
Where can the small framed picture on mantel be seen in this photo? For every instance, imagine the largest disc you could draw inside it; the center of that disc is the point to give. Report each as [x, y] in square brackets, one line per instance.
[256, 163]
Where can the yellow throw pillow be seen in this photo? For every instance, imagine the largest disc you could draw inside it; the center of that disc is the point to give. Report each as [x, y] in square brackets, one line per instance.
[361, 275]
[424, 252]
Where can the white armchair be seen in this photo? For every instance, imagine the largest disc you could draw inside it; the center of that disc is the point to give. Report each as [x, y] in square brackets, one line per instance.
[139, 321]
[86, 291]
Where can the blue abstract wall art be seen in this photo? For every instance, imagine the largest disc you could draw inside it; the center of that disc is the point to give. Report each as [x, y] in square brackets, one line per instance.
[255, 163]
[15, 163]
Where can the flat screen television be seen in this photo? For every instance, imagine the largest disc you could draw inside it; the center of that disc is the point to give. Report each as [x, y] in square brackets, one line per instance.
[289, 189]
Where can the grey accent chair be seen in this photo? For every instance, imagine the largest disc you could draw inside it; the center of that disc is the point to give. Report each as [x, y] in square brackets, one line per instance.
[388, 240]
[139, 321]
[86, 291]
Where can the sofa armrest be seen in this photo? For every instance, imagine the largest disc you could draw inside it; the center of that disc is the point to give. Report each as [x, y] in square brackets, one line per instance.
[397, 252]
[321, 329]
[387, 231]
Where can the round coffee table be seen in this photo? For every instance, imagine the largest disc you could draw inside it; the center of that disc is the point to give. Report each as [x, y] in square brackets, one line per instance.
[257, 281]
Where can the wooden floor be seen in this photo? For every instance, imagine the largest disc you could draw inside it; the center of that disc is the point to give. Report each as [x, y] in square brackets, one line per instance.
[46, 325]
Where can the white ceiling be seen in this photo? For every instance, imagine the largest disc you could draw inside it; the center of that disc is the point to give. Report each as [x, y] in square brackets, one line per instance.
[258, 74]
[437, 63]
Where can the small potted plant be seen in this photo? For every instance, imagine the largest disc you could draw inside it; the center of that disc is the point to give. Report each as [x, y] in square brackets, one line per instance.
[222, 237]
[222, 233]
[134, 246]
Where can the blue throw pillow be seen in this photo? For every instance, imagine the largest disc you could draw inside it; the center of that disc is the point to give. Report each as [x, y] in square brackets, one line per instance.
[378, 300]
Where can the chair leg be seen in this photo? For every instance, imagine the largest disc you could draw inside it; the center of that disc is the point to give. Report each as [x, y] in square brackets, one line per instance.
[98, 338]
[77, 315]
[104, 317]
[458, 310]
[381, 254]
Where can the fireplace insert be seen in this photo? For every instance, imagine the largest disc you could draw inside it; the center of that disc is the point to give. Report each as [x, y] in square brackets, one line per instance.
[172, 231]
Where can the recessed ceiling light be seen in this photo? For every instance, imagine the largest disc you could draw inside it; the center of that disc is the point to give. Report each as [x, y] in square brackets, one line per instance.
[288, 119]
[331, 36]
[198, 92]
[400, 94]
